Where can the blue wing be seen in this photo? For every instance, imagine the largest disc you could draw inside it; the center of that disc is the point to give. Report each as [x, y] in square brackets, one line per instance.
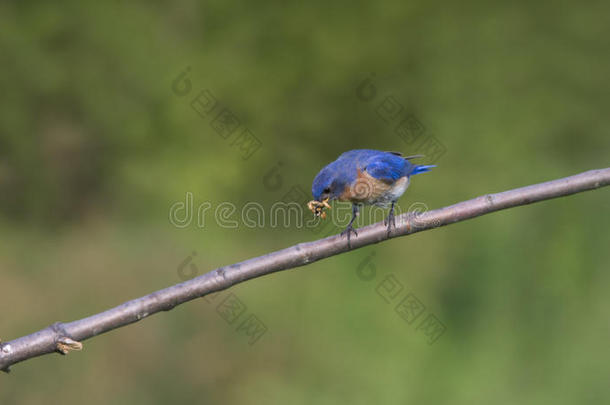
[387, 167]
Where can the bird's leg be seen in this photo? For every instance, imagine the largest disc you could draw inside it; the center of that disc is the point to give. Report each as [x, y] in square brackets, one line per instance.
[350, 228]
[391, 219]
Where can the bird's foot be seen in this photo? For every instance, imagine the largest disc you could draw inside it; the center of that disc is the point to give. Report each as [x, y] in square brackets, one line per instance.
[390, 221]
[348, 231]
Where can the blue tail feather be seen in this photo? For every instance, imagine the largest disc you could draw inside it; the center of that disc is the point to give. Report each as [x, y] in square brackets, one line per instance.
[422, 169]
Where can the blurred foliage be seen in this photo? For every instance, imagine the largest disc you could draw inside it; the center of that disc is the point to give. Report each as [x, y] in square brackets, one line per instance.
[95, 146]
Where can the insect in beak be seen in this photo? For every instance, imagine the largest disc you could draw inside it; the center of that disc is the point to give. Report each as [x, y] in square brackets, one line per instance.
[317, 207]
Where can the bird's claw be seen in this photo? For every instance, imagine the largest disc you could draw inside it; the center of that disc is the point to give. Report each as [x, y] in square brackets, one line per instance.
[348, 232]
[390, 221]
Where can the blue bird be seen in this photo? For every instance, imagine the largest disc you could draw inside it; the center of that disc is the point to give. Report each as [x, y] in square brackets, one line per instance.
[365, 176]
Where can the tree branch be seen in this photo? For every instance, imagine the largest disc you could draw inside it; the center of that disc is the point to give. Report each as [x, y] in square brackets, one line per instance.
[61, 337]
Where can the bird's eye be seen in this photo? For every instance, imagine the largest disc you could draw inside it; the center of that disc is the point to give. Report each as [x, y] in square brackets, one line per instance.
[326, 190]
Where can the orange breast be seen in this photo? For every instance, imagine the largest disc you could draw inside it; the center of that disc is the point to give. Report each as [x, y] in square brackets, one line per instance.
[366, 189]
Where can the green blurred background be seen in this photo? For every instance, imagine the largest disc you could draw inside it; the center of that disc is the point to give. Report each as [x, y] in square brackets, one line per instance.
[95, 147]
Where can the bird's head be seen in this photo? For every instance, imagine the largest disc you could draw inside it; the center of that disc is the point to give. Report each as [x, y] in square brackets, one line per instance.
[327, 186]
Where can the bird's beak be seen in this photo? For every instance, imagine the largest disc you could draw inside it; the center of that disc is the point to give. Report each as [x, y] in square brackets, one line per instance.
[325, 204]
